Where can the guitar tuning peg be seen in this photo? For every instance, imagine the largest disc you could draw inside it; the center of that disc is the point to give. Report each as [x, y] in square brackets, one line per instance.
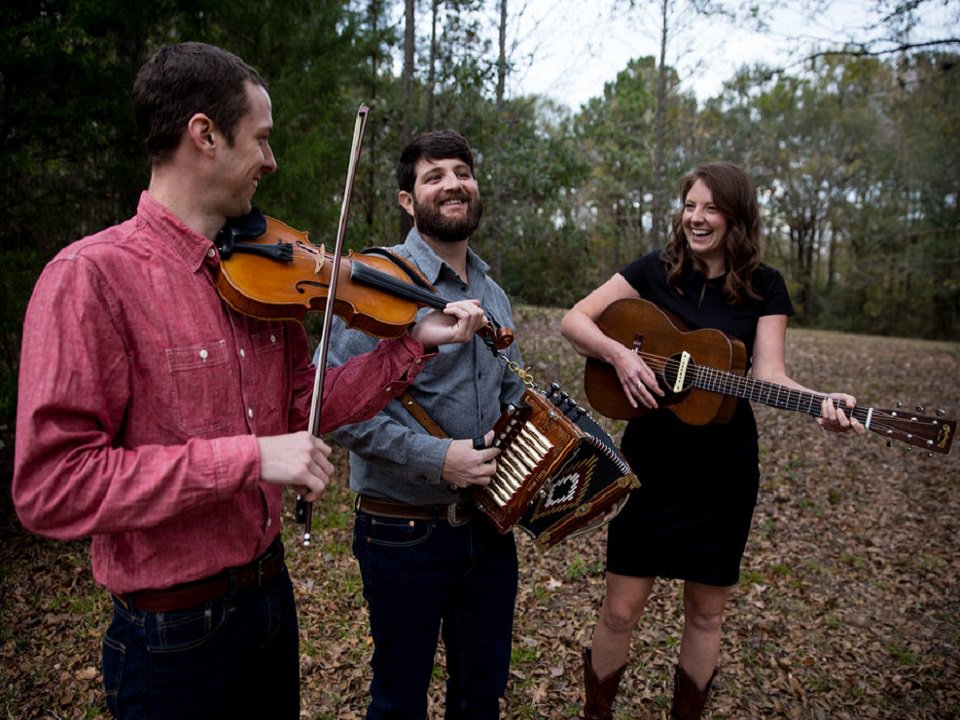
[920, 409]
[941, 412]
[899, 404]
[889, 443]
[929, 454]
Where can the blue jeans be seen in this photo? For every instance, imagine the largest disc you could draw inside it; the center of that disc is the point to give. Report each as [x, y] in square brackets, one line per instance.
[422, 578]
[237, 657]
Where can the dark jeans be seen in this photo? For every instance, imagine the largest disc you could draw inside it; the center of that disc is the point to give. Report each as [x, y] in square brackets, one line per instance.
[232, 658]
[424, 577]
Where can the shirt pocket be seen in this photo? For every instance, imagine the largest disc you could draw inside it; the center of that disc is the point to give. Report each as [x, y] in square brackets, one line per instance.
[270, 387]
[201, 384]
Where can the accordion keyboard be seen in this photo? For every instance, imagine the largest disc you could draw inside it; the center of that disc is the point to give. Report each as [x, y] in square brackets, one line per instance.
[523, 452]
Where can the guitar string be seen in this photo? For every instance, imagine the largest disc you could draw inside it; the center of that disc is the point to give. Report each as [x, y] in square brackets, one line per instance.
[881, 421]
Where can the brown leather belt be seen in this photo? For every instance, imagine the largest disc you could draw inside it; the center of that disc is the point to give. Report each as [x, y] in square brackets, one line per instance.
[455, 514]
[188, 595]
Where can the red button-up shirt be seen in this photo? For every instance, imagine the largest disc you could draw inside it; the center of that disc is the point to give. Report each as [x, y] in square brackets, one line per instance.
[141, 395]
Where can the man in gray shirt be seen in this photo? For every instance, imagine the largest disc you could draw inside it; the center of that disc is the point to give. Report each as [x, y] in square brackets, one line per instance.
[430, 563]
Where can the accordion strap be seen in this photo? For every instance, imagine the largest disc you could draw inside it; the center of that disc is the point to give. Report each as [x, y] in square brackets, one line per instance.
[422, 416]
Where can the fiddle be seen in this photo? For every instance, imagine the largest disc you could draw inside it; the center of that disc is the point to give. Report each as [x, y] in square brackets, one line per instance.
[272, 271]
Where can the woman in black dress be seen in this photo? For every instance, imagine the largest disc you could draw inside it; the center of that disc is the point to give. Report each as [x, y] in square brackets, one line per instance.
[690, 518]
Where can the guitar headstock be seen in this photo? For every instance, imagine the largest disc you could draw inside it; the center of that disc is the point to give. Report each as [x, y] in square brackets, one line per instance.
[934, 434]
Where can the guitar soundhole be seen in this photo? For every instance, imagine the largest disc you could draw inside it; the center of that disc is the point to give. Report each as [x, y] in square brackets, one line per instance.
[673, 368]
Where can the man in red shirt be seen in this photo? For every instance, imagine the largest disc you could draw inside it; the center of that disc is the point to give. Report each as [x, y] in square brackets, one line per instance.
[162, 424]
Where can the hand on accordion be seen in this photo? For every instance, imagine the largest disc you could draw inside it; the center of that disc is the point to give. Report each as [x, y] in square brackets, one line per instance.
[464, 466]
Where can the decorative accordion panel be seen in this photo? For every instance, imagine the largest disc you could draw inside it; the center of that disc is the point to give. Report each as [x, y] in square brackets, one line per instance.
[558, 472]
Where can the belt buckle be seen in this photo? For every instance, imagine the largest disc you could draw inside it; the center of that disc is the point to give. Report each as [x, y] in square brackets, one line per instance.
[452, 518]
[260, 565]
[266, 564]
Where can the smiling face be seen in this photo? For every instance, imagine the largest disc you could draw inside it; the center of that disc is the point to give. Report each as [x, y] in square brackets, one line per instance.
[249, 157]
[445, 202]
[705, 227]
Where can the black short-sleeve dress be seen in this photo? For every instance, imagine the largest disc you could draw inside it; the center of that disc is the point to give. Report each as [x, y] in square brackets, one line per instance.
[691, 516]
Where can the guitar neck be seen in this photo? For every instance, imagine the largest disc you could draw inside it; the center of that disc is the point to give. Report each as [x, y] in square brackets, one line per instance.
[767, 393]
[933, 434]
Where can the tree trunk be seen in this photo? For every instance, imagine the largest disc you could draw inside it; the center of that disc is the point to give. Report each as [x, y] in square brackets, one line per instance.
[432, 69]
[659, 205]
[502, 56]
[375, 10]
[409, 57]
[496, 230]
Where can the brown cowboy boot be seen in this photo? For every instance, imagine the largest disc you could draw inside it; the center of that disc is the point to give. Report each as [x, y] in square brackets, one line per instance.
[598, 704]
[688, 699]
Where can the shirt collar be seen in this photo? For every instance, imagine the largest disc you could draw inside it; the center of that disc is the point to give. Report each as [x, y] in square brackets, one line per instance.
[169, 229]
[431, 264]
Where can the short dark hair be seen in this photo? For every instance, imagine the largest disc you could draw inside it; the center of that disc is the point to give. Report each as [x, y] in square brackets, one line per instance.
[433, 145]
[181, 80]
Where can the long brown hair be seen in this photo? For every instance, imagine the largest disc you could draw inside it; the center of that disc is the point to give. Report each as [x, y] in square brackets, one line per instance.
[735, 196]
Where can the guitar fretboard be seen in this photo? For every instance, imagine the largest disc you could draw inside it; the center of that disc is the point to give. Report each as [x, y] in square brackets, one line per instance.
[767, 393]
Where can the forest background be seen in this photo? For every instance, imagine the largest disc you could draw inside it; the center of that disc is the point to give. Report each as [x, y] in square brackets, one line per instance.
[854, 149]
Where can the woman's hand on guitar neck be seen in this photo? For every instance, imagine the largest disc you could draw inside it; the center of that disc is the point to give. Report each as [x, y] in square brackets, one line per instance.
[834, 419]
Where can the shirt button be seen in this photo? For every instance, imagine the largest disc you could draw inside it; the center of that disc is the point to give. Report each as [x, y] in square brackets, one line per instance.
[243, 353]
[204, 354]
[249, 412]
[388, 389]
[211, 253]
[418, 361]
[273, 339]
[269, 523]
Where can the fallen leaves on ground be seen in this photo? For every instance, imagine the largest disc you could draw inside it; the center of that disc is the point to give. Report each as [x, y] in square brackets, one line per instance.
[848, 605]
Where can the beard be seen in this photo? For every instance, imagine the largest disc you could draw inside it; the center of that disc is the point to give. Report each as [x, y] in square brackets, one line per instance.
[432, 223]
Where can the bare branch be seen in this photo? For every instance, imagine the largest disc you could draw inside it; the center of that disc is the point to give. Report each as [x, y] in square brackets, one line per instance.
[866, 50]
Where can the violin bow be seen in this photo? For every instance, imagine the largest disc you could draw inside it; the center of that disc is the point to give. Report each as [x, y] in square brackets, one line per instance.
[304, 509]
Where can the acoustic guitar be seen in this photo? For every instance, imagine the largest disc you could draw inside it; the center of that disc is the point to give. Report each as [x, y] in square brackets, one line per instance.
[702, 374]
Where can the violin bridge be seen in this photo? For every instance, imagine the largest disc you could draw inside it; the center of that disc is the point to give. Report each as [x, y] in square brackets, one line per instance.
[320, 259]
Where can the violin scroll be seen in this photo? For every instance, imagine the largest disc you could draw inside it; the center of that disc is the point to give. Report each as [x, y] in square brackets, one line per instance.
[496, 337]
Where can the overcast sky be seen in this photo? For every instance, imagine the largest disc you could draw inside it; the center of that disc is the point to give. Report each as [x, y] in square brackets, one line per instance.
[568, 49]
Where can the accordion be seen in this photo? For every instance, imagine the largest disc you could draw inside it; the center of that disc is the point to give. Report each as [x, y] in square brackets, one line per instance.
[558, 473]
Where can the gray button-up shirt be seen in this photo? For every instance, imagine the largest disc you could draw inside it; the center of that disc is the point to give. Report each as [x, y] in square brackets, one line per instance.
[464, 389]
